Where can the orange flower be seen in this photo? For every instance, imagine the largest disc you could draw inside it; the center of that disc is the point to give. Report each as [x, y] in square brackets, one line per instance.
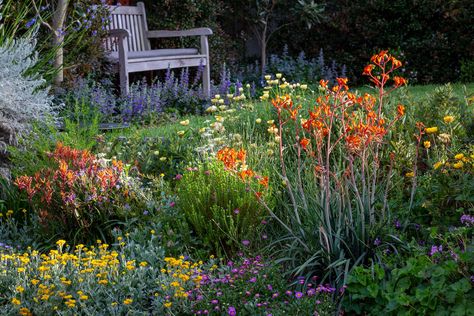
[368, 70]
[264, 181]
[323, 83]
[246, 174]
[399, 81]
[400, 110]
[304, 143]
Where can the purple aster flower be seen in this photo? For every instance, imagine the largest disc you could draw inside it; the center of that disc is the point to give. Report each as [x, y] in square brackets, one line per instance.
[298, 295]
[178, 177]
[253, 280]
[231, 311]
[214, 302]
[236, 211]
[245, 242]
[289, 293]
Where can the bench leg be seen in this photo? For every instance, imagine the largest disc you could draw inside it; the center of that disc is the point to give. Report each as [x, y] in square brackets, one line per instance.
[124, 80]
[206, 80]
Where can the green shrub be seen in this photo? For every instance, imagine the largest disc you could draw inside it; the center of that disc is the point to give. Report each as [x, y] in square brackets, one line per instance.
[421, 287]
[222, 210]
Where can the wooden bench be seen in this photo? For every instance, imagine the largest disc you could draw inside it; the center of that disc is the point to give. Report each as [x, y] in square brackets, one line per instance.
[129, 45]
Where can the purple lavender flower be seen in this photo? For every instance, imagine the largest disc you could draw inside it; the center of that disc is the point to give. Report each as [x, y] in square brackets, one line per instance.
[30, 23]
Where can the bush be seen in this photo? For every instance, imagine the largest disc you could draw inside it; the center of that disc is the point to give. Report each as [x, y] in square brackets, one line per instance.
[79, 194]
[222, 210]
[423, 285]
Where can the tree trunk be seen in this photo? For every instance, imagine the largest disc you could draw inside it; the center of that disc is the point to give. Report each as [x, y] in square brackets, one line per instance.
[263, 51]
[58, 38]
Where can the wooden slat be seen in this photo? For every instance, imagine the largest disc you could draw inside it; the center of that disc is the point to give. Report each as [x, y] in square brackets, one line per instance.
[144, 25]
[156, 64]
[124, 10]
[191, 32]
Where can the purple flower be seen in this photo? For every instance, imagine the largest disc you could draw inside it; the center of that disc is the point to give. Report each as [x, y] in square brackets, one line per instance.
[253, 280]
[178, 177]
[397, 224]
[467, 220]
[236, 211]
[377, 241]
[231, 311]
[298, 294]
[214, 302]
[30, 23]
[245, 242]
[270, 287]
[264, 236]
[289, 293]
[435, 249]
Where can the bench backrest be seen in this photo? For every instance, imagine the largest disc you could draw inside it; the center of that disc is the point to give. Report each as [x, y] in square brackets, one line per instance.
[132, 19]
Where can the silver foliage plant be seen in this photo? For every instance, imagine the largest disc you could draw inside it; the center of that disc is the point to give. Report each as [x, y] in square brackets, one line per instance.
[23, 97]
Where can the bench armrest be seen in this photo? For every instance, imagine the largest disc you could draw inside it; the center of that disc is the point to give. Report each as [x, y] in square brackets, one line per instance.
[203, 31]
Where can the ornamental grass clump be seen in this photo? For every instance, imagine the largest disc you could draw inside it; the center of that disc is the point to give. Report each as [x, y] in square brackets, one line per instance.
[331, 155]
[79, 193]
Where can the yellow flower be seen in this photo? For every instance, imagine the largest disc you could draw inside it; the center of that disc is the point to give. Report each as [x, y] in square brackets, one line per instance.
[427, 144]
[34, 281]
[278, 75]
[143, 264]
[217, 96]
[184, 123]
[431, 130]
[83, 297]
[60, 242]
[181, 133]
[410, 174]
[152, 232]
[20, 270]
[103, 282]
[258, 121]
[9, 212]
[438, 164]
[25, 312]
[268, 77]
[458, 165]
[128, 301]
[448, 119]
[168, 304]
[20, 289]
[16, 301]
[459, 156]
[304, 87]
